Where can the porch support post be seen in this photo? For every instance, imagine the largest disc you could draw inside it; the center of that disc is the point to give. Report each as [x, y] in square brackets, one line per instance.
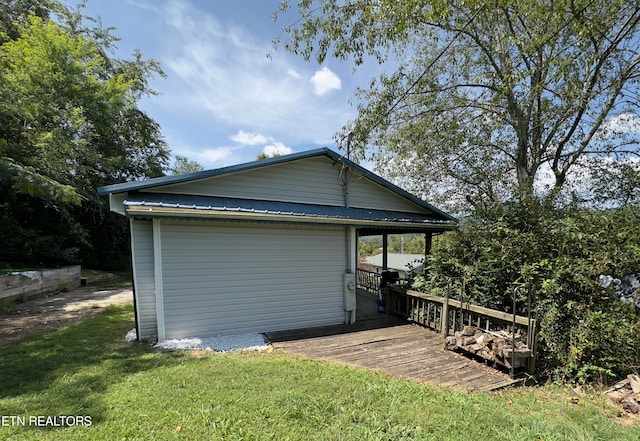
[428, 240]
[352, 253]
[385, 251]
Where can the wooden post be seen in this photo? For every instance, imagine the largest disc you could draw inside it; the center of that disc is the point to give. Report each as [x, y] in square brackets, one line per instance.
[428, 241]
[444, 323]
[388, 300]
[385, 250]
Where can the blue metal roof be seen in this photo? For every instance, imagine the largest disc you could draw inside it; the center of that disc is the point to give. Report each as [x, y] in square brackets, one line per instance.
[167, 180]
[224, 204]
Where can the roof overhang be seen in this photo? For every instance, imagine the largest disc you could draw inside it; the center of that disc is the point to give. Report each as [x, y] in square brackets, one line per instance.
[157, 205]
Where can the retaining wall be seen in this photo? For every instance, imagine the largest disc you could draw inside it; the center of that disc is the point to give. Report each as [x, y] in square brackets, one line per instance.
[32, 283]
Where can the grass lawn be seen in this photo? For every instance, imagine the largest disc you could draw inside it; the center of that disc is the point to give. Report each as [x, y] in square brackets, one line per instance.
[120, 278]
[133, 392]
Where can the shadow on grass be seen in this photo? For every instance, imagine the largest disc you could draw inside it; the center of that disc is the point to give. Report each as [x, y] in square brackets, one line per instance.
[66, 371]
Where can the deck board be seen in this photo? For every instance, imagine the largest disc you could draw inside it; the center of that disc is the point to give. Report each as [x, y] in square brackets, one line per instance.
[394, 347]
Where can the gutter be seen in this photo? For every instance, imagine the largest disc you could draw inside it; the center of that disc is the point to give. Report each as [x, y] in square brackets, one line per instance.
[170, 212]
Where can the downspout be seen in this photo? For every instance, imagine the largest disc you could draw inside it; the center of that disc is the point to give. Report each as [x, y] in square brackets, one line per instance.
[344, 183]
[346, 173]
[345, 177]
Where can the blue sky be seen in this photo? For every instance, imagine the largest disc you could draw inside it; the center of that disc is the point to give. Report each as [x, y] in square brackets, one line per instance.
[224, 101]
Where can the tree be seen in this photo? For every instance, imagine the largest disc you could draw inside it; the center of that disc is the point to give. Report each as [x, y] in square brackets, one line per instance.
[183, 165]
[70, 123]
[487, 96]
[263, 155]
[13, 13]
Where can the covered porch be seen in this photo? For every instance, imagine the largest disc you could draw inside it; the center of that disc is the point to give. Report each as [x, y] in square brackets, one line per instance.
[371, 281]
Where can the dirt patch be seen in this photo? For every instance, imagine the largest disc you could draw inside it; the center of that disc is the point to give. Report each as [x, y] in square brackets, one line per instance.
[48, 313]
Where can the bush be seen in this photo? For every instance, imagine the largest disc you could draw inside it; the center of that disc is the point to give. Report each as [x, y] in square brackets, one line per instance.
[586, 334]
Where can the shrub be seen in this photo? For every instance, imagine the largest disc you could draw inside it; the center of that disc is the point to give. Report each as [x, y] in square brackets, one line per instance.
[586, 334]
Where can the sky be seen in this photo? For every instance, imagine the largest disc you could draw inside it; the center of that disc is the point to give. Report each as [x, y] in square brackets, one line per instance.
[229, 95]
[224, 100]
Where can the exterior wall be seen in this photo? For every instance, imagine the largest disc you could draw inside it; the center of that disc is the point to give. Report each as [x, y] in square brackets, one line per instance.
[228, 278]
[143, 276]
[311, 181]
[365, 193]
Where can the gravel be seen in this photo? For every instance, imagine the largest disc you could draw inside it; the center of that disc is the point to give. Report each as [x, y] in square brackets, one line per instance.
[221, 343]
[132, 335]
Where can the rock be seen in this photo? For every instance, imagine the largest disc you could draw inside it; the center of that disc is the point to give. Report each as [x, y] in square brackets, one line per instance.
[634, 380]
[626, 394]
[616, 396]
[631, 405]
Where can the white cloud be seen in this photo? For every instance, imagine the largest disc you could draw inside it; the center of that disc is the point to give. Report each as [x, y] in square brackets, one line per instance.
[324, 81]
[208, 157]
[273, 148]
[276, 148]
[221, 71]
[213, 155]
[294, 74]
[619, 126]
[247, 138]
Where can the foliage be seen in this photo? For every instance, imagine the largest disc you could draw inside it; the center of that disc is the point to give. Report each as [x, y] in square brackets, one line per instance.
[263, 155]
[586, 334]
[132, 391]
[70, 123]
[183, 165]
[491, 101]
[13, 14]
[397, 243]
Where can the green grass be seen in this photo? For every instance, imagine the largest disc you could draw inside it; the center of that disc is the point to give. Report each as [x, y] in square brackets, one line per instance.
[132, 392]
[122, 278]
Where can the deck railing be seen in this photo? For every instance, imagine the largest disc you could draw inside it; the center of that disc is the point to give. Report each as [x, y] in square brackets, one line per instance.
[369, 281]
[445, 316]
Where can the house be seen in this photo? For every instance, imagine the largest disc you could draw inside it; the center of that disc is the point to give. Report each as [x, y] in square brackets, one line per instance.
[402, 263]
[263, 246]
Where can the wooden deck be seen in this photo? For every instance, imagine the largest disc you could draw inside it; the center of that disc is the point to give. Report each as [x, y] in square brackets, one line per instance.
[394, 347]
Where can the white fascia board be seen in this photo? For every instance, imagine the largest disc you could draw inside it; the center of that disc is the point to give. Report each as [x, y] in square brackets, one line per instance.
[116, 202]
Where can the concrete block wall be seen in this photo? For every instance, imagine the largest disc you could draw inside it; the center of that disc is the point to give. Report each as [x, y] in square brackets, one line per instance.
[32, 283]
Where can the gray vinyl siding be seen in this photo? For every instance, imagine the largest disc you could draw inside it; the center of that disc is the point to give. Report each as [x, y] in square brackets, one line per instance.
[236, 278]
[312, 181]
[309, 181]
[364, 193]
[142, 254]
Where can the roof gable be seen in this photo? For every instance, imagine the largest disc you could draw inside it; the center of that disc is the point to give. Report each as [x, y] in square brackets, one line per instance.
[187, 177]
[312, 177]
